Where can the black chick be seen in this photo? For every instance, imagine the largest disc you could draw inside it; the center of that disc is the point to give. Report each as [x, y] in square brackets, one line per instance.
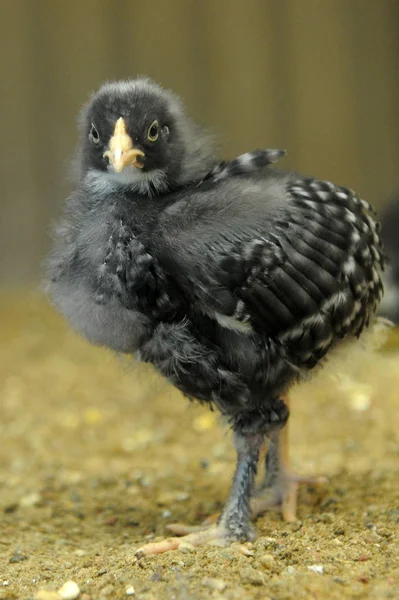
[232, 287]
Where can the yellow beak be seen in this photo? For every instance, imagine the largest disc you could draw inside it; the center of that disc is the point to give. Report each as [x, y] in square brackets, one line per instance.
[121, 150]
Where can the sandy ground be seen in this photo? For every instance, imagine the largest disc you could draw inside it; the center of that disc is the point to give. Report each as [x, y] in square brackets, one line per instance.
[98, 455]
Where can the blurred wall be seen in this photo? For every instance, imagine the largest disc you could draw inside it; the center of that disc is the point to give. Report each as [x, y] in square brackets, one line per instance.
[318, 77]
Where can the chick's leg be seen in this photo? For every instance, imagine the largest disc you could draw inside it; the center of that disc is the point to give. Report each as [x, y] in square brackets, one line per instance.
[234, 522]
[280, 486]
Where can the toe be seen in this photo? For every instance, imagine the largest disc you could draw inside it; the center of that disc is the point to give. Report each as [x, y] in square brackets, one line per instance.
[216, 535]
[181, 529]
[158, 547]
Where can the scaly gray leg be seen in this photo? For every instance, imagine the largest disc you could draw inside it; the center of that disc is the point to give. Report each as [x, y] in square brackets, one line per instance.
[235, 518]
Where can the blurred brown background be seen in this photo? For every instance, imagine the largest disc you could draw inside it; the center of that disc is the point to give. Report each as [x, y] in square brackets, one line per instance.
[318, 77]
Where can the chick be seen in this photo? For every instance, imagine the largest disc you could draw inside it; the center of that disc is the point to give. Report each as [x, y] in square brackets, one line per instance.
[233, 283]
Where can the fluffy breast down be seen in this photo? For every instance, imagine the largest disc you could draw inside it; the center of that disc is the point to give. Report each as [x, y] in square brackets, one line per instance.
[110, 325]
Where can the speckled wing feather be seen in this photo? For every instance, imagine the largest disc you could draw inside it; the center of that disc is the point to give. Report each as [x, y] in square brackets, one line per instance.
[299, 260]
[246, 163]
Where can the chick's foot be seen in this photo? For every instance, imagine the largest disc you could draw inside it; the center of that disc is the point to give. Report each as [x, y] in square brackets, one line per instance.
[217, 535]
[234, 523]
[282, 494]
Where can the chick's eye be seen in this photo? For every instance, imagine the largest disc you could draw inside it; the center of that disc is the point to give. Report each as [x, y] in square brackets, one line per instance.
[153, 132]
[94, 135]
